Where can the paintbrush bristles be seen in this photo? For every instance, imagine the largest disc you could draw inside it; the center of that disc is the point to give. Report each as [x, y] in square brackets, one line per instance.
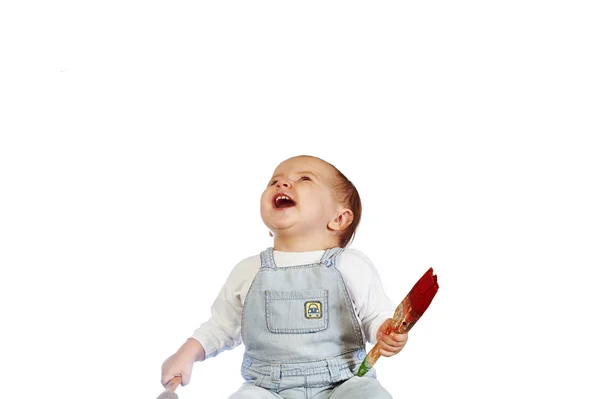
[169, 392]
[168, 395]
[423, 292]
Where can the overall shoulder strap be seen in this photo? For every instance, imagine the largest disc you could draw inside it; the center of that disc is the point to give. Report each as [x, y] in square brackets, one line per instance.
[330, 255]
[266, 259]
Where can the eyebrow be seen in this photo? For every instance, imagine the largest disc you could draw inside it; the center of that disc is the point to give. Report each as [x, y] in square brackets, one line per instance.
[300, 173]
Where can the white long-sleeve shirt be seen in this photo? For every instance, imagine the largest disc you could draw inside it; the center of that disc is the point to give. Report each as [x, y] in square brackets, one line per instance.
[371, 305]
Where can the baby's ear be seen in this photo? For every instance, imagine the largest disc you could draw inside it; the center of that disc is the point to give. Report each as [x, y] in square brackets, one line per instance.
[341, 220]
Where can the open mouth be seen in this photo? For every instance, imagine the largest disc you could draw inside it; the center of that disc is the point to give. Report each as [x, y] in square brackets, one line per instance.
[282, 201]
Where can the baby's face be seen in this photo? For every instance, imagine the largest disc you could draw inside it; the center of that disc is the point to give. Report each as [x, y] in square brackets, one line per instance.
[299, 197]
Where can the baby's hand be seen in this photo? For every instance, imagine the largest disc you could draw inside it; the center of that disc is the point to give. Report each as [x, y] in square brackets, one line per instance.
[181, 362]
[389, 345]
[177, 365]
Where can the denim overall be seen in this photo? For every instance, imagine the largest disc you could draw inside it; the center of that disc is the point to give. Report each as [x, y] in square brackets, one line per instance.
[299, 329]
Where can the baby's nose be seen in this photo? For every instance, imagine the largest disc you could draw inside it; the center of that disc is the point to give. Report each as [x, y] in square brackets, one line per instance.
[283, 183]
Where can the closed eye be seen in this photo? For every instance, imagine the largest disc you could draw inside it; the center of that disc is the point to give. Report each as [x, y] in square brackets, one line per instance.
[304, 178]
[272, 182]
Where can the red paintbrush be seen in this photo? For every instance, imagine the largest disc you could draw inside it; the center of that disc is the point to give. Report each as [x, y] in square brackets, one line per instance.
[407, 314]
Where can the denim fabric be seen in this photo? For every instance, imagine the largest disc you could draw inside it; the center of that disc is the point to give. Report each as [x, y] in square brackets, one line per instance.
[354, 388]
[301, 336]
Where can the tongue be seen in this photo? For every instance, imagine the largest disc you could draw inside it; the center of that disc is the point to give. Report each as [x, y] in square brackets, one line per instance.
[285, 203]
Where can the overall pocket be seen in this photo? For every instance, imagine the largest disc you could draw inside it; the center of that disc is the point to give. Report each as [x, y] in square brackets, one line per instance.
[296, 312]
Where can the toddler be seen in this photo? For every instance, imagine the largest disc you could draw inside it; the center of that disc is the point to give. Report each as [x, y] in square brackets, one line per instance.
[305, 307]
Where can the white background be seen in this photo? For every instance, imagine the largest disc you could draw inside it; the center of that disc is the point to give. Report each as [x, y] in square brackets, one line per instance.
[136, 138]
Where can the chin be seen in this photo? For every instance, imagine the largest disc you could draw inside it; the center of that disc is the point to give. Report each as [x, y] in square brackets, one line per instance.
[278, 220]
[280, 227]
[276, 225]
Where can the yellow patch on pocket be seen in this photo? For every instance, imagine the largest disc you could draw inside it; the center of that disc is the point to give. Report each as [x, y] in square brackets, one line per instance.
[312, 310]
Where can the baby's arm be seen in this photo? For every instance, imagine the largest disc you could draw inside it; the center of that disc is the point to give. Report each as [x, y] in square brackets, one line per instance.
[373, 307]
[220, 332]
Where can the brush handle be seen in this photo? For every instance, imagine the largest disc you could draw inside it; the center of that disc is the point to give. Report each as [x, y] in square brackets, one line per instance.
[375, 351]
[402, 321]
[405, 315]
[173, 384]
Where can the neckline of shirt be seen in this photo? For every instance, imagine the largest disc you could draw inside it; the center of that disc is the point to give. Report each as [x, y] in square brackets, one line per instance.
[285, 259]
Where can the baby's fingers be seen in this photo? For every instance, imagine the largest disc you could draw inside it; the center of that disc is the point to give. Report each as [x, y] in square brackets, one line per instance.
[392, 344]
[387, 349]
[165, 378]
[175, 366]
[394, 339]
[399, 338]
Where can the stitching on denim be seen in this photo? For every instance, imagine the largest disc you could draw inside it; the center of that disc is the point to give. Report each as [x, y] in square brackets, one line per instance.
[321, 327]
[345, 368]
[266, 259]
[357, 332]
[271, 258]
[243, 320]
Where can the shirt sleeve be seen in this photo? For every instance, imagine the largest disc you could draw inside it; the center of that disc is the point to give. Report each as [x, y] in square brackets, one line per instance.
[222, 331]
[371, 303]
